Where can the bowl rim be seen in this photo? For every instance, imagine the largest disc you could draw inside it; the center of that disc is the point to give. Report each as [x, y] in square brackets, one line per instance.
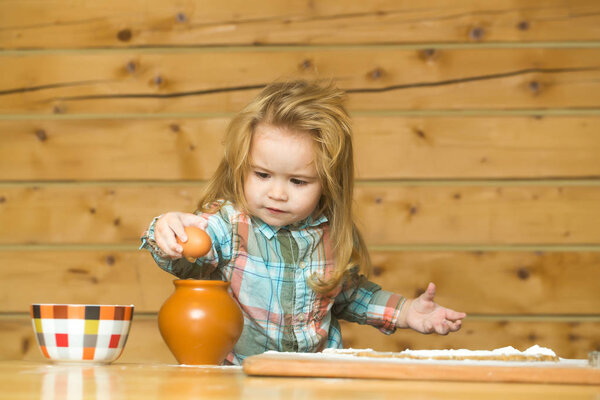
[82, 305]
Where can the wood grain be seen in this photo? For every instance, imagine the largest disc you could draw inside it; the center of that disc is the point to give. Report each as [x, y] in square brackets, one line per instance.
[388, 214]
[112, 113]
[386, 147]
[298, 365]
[567, 339]
[151, 22]
[377, 78]
[29, 380]
[113, 149]
[83, 277]
[478, 214]
[512, 283]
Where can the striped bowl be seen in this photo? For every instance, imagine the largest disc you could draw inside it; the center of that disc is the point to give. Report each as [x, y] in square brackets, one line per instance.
[81, 332]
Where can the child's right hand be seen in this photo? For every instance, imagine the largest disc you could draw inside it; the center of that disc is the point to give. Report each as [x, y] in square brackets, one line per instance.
[170, 226]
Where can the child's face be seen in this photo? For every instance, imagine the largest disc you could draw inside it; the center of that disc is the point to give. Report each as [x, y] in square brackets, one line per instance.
[282, 186]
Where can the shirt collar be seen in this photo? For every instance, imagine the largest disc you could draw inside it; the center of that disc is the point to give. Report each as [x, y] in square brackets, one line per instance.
[269, 231]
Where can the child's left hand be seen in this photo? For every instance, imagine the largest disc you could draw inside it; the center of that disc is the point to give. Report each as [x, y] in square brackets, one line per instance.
[425, 316]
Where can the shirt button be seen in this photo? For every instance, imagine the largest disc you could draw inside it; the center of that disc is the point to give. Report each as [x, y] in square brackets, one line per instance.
[300, 318]
[302, 264]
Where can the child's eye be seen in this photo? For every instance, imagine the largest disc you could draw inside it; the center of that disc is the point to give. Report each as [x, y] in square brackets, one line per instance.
[262, 175]
[298, 181]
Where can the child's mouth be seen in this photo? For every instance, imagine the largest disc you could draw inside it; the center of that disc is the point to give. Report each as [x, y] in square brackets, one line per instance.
[275, 210]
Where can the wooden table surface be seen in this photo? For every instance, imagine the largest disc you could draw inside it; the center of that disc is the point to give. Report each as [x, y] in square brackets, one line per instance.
[42, 380]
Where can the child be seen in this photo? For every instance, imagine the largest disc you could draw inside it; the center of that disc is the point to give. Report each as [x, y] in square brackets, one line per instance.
[279, 212]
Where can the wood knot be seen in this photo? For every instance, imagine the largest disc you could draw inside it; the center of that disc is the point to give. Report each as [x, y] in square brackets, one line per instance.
[110, 260]
[92, 210]
[181, 17]
[117, 221]
[523, 273]
[428, 54]
[174, 127]
[192, 147]
[534, 87]
[41, 135]
[79, 271]
[378, 200]
[476, 33]
[413, 210]
[574, 338]
[419, 133]
[131, 67]
[158, 80]
[306, 64]
[377, 270]
[25, 344]
[533, 337]
[523, 25]
[402, 345]
[457, 196]
[377, 73]
[2, 199]
[58, 109]
[124, 35]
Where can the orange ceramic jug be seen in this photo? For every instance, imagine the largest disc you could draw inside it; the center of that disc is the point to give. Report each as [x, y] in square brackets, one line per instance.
[200, 321]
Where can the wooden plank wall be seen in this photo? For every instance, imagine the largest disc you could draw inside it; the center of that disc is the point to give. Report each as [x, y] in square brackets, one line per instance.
[477, 144]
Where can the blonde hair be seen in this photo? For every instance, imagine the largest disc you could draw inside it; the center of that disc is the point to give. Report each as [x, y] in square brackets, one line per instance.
[319, 110]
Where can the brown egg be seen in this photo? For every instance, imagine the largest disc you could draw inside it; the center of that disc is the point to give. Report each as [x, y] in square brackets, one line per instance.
[197, 244]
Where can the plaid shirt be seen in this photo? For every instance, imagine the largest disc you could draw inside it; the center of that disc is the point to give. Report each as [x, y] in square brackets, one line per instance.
[268, 269]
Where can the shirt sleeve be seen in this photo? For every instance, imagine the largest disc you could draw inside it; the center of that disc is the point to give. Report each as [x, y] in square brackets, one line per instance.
[219, 230]
[364, 302]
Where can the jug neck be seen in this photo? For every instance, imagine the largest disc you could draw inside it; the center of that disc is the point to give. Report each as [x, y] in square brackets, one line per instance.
[200, 284]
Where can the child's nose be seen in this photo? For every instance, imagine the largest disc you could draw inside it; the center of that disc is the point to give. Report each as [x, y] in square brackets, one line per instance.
[278, 192]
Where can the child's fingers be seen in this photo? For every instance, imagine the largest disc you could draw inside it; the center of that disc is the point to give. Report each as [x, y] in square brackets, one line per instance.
[428, 327]
[454, 315]
[171, 226]
[429, 293]
[194, 220]
[179, 232]
[167, 228]
[176, 225]
[442, 328]
[453, 326]
[446, 326]
[169, 247]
